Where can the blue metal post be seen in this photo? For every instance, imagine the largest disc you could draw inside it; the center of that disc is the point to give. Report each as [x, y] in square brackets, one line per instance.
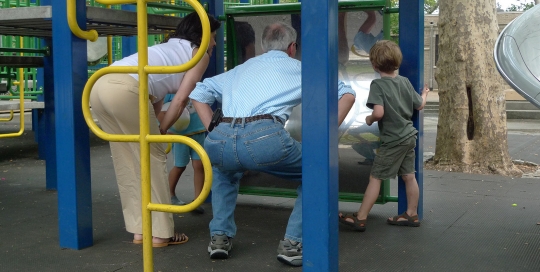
[72, 134]
[46, 122]
[38, 124]
[129, 44]
[217, 60]
[411, 41]
[319, 127]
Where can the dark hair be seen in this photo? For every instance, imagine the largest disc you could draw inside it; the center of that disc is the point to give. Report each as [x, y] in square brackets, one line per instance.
[190, 28]
[245, 35]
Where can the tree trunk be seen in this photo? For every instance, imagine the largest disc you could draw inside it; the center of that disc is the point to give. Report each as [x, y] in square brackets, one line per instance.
[471, 133]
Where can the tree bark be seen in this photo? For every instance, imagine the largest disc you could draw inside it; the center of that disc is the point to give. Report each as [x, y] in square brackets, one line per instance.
[471, 133]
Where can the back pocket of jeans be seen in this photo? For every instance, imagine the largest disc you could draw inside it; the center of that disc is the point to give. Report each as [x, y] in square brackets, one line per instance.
[267, 150]
[214, 149]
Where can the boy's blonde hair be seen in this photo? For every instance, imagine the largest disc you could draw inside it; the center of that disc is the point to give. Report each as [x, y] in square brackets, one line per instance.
[386, 56]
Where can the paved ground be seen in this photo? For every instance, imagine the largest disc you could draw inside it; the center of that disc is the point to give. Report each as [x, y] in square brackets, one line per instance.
[469, 224]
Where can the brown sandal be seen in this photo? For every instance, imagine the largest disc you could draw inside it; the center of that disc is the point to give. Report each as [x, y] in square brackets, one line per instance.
[177, 239]
[358, 225]
[412, 221]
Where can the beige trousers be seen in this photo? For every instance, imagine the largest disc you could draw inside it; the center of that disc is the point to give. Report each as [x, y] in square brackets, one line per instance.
[114, 100]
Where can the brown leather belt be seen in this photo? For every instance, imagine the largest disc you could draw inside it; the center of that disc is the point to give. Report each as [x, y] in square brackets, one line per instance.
[249, 119]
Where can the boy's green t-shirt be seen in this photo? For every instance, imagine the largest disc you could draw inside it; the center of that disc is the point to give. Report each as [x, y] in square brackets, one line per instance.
[399, 100]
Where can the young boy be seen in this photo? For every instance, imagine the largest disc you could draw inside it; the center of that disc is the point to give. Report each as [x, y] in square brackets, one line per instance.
[393, 99]
[183, 153]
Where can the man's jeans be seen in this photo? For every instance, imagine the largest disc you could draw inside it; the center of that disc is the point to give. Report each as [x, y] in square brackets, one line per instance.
[263, 146]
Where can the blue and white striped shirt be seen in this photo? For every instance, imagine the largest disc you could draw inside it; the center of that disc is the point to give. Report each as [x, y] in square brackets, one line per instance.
[267, 84]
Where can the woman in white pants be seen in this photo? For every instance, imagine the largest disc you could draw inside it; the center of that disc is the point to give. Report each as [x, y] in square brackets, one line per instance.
[115, 102]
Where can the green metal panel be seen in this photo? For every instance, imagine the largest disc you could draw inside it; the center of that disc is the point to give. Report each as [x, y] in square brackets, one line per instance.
[383, 198]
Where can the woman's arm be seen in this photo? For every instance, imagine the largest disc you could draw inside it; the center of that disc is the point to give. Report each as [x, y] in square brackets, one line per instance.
[157, 109]
[180, 99]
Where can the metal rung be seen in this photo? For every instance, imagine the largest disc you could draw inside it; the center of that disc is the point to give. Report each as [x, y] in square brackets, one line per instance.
[37, 22]
[21, 61]
[15, 105]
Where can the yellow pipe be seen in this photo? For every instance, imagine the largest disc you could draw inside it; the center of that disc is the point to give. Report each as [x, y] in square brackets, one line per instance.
[109, 46]
[21, 101]
[168, 149]
[144, 138]
[120, 2]
[109, 50]
[91, 35]
[204, 45]
[207, 173]
[142, 33]
[10, 112]
[86, 105]
[142, 26]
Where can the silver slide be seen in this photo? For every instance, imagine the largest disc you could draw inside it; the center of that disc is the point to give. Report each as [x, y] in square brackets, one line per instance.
[517, 54]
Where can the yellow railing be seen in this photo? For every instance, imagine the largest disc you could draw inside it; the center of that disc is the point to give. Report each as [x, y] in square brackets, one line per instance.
[145, 138]
[20, 83]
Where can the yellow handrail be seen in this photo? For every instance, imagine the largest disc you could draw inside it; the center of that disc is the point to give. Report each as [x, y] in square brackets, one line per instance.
[91, 35]
[109, 46]
[144, 138]
[21, 102]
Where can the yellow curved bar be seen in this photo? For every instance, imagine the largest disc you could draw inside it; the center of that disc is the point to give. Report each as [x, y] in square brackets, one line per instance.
[86, 104]
[109, 50]
[20, 83]
[168, 149]
[207, 173]
[118, 2]
[109, 46]
[144, 139]
[205, 41]
[91, 35]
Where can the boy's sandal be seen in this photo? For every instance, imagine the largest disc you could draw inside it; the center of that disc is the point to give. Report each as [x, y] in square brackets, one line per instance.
[412, 221]
[358, 225]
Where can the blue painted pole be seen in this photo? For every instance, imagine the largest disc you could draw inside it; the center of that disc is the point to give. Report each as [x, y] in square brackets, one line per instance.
[72, 134]
[129, 44]
[320, 142]
[217, 63]
[38, 120]
[411, 41]
[47, 124]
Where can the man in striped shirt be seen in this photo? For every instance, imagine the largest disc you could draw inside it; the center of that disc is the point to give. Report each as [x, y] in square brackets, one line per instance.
[257, 98]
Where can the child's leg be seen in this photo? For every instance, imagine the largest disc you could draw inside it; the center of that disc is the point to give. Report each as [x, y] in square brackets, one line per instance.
[198, 169]
[174, 175]
[370, 197]
[407, 172]
[181, 160]
[413, 194]
[198, 176]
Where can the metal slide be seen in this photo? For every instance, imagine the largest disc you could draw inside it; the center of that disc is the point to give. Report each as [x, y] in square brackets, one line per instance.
[517, 55]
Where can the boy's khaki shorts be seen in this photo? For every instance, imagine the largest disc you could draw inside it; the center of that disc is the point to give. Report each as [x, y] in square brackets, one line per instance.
[398, 160]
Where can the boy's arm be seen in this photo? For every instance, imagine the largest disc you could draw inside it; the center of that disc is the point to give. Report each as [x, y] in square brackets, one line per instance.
[376, 115]
[425, 92]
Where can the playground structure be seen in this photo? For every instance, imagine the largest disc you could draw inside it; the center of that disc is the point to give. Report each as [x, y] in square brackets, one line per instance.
[516, 55]
[59, 125]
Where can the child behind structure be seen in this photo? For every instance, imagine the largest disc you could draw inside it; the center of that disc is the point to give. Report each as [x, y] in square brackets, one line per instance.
[393, 100]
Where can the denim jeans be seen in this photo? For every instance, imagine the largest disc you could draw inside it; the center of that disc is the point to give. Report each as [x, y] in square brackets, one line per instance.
[263, 146]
